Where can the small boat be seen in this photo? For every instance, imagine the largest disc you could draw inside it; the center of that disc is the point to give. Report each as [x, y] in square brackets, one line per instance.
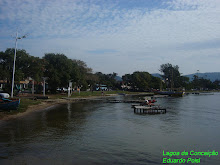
[170, 93]
[123, 94]
[174, 92]
[148, 101]
[9, 104]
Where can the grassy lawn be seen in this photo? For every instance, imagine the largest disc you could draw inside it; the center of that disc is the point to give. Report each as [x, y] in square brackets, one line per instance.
[27, 102]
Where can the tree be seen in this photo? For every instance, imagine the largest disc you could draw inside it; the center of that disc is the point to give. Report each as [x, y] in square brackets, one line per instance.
[156, 83]
[80, 74]
[141, 81]
[172, 76]
[58, 70]
[91, 80]
[26, 66]
[217, 84]
[6, 62]
[203, 84]
[36, 68]
[107, 79]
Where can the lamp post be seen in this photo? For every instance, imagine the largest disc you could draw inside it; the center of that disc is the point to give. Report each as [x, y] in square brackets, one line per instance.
[70, 88]
[13, 74]
[44, 87]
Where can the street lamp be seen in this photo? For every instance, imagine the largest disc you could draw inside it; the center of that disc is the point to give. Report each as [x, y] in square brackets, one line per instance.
[44, 86]
[13, 75]
[70, 88]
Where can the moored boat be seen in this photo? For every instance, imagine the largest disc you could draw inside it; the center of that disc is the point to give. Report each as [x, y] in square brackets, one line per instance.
[123, 94]
[4, 95]
[174, 92]
[9, 104]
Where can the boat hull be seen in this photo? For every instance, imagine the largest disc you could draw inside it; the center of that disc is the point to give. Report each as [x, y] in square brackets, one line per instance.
[9, 105]
[170, 93]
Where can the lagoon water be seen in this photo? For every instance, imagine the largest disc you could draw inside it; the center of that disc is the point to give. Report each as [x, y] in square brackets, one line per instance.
[110, 133]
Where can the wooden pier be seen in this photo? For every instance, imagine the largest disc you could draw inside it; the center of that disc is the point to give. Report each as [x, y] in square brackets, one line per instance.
[149, 110]
[133, 105]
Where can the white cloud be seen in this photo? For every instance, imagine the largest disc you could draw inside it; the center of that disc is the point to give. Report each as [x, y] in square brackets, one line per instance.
[140, 37]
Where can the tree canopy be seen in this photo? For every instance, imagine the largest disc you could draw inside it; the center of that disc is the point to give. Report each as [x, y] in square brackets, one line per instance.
[26, 65]
[57, 67]
[172, 76]
[59, 70]
[141, 81]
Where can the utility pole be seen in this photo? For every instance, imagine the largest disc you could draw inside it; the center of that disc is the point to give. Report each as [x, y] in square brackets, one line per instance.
[198, 74]
[32, 86]
[44, 84]
[70, 88]
[172, 84]
[13, 74]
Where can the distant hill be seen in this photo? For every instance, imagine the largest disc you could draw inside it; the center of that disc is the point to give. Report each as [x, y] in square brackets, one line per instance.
[156, 75]
[118, 78]
[209, 75]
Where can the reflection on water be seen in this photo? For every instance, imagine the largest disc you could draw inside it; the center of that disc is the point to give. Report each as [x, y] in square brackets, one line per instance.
[107, 133]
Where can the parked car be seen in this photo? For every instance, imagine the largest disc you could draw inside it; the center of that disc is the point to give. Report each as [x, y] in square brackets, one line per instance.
[62, 89]
[4, 95]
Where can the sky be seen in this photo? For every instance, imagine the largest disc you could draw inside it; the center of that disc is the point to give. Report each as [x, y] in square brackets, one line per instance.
[120, 36]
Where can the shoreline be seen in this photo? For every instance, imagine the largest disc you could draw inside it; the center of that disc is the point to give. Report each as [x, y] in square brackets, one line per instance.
[50, 103]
